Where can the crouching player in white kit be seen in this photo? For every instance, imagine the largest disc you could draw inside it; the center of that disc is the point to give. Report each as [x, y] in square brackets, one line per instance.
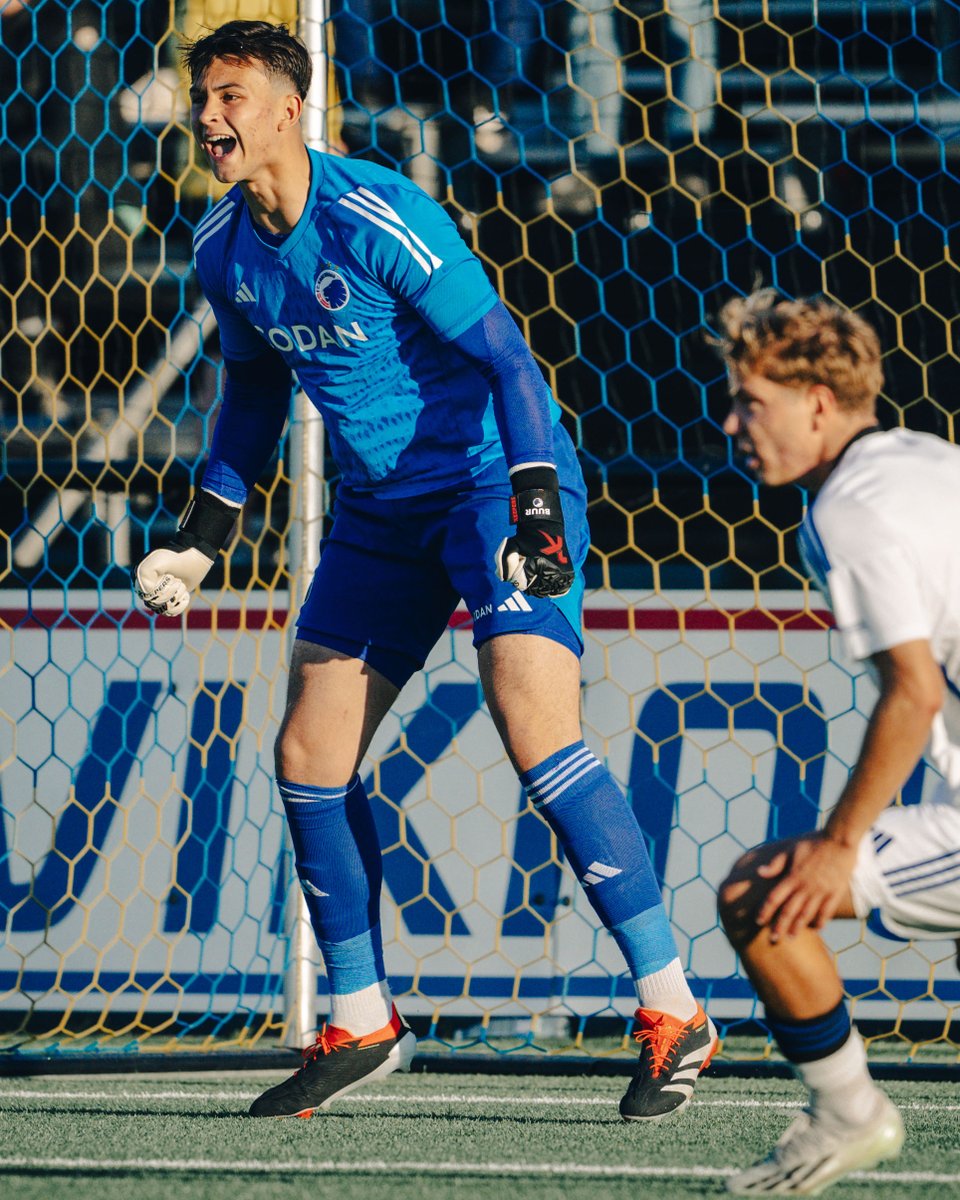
[453, 462]
[880, 541]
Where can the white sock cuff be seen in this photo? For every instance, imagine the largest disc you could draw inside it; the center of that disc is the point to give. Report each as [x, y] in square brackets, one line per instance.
[838, 1069]
[362, 1012]
[667, 991]
[840, 1086]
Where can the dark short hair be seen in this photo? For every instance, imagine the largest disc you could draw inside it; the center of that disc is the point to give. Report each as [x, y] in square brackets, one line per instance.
[273, 47]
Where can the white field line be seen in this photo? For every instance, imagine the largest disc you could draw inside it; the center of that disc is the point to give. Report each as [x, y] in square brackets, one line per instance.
[381, 1167]
[420, 1100]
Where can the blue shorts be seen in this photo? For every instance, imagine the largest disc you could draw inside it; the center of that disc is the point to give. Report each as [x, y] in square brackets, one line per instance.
[392, 571]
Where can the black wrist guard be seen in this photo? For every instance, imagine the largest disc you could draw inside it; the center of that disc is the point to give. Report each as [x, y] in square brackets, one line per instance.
[540, 540]
[206, 524]
[535, 477]
[536, 496]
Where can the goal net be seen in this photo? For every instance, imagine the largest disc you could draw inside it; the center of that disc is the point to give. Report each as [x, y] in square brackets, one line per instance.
[621, 169]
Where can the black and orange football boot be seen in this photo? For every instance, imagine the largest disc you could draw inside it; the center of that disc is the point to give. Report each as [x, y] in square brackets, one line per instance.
[334, 1065]
[672, 1055]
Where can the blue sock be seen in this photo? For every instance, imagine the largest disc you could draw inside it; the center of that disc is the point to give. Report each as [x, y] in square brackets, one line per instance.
[812, 1039]
[578, 798]
[340, 869]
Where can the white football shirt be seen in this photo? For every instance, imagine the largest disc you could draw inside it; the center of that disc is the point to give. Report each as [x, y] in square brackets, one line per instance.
[882, 542]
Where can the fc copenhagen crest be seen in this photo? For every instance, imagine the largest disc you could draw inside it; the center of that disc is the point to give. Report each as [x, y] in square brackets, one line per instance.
[331, 290]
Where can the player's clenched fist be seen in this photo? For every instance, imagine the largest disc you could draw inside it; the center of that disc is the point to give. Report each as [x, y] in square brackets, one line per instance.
[536, 559]
[166, 578]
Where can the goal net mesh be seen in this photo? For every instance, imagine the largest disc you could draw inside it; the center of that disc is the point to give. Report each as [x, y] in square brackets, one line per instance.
[621, 169]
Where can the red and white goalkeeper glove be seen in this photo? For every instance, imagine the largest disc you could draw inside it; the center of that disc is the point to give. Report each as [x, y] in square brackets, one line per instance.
[165, 579]
[536, 559]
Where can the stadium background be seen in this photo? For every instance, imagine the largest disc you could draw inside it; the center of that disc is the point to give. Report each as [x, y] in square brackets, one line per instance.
[620, 170]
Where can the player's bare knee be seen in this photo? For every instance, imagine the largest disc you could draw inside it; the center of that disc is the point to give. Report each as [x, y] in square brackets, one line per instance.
[738, 900]
[295, 758]
[287, 754]
[304, 752]
[728, 905]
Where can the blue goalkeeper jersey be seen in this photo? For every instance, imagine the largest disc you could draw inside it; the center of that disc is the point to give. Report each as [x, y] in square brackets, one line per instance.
[361, 300]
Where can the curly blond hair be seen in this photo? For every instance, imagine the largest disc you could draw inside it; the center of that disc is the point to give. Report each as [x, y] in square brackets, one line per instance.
[802, 342]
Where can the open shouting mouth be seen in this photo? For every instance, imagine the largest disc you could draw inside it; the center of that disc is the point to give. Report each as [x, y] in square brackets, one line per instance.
[220, 146]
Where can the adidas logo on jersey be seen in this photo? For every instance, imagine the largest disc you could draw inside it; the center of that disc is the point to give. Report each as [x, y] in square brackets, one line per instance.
[244, 295]
[597, 872]
[515, 603]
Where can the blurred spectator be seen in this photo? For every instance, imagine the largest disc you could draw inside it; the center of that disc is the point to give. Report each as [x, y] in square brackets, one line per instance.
[595, 68]
[590, 37]
[692, 24]
[533, 46]
[504, 56]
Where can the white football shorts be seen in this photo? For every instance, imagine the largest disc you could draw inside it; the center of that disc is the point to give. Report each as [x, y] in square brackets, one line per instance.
[908, 869]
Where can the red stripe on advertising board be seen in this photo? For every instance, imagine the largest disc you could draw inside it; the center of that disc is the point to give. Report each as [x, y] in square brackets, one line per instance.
[639, 619]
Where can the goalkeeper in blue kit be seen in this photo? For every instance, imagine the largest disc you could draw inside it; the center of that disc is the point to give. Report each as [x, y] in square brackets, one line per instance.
[457, 481]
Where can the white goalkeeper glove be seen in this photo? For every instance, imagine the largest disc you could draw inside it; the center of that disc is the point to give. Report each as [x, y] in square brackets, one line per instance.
[166, 578]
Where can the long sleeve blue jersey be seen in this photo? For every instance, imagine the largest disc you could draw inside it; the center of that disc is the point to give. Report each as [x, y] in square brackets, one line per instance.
[362, 301]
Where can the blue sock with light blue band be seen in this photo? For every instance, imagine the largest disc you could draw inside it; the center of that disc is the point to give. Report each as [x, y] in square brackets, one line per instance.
[578, 798]
[353, 964]
[340, 869]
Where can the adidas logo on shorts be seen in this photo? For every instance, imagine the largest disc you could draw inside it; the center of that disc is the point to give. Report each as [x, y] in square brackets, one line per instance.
[515, 603]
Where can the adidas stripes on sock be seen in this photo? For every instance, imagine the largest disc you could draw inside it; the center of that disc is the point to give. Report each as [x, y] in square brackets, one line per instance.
[340, 869]
[578, 798]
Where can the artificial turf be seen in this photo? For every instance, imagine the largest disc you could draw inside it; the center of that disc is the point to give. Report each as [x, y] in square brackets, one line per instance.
[425, 1137]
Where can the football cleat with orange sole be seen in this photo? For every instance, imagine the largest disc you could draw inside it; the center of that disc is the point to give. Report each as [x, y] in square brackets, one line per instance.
[334, 1065]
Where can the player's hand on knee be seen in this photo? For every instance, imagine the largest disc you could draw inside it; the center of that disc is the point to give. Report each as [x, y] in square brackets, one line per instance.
[165, 580]
[536, 559]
